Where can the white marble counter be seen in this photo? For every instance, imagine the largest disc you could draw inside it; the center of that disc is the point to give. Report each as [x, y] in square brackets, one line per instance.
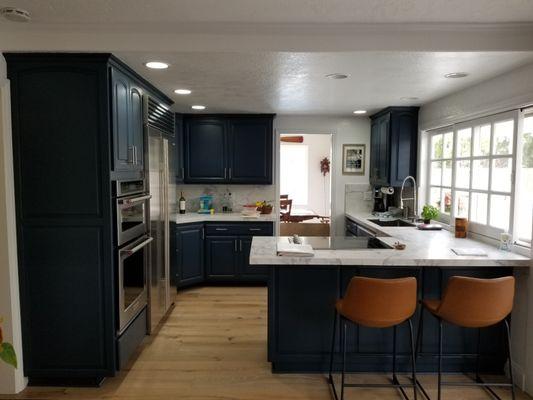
[218, 217]
[423, 248]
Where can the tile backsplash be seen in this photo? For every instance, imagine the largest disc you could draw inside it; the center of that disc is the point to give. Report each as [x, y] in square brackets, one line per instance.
[355, 198]
[240, 194]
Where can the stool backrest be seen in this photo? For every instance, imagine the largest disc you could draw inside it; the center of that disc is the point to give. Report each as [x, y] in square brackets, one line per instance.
[476, 303]
[379, 303]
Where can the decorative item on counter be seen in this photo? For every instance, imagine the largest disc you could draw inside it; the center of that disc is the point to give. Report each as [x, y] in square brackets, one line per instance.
[429, 212]
[250, 210]
[324, 166]
[399, 246]
[353, 159]
[461, 227]
[206, 204]
[227, 202]
[7, 351]
[182, 204]
[264, 207]
[506, 241]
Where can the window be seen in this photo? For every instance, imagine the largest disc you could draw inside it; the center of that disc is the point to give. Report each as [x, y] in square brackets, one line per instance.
[294, 172]
[471, 171]
[524, 182]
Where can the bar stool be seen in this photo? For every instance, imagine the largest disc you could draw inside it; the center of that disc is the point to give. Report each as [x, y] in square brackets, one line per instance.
[375, 303]
[473, 303]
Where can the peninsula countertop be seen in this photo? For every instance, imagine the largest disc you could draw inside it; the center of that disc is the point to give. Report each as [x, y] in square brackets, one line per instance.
[191, 217]
[423, 248]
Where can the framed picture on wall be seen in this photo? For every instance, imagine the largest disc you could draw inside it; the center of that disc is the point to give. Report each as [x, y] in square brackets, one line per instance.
[353, 159]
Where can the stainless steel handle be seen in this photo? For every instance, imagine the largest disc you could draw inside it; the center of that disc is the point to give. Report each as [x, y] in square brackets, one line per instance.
[131, 155]
[370, 233]
[136, 248]
[240, 245]
[235, 243]
[203, 233]
[221, 229]
[133, 200]
[254, 229]
[135, 155]
[225, 171]
[183, 172]
[230, 173]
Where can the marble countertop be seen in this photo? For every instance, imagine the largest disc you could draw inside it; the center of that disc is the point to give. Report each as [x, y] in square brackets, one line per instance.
[218, 217]
[423, 248]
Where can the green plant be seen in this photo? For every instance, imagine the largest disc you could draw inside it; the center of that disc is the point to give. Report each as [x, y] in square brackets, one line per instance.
[430, 212]
[7, 352]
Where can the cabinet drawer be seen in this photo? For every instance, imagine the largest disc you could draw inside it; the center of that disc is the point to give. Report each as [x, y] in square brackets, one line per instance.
[251, 229]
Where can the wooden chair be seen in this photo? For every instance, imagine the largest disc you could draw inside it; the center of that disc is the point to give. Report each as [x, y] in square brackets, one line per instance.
[285, 207]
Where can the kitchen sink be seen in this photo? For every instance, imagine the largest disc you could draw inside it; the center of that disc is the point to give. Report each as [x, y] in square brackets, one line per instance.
[391, 222]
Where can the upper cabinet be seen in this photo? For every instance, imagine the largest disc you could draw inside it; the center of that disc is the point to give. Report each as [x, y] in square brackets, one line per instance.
[228, 149]
[393, 145]
[127, 116]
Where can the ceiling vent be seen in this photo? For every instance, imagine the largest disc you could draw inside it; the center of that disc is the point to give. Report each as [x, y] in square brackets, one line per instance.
[15, 14]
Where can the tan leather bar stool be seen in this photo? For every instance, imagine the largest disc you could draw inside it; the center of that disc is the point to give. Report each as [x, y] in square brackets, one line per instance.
[375, 303]
[473, 303]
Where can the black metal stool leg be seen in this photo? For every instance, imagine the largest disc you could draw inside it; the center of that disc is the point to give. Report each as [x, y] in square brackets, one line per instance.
[478, 346]
[413, 361]
[419, 331]
[332, 349]
[439, 388]
[394, 379]
[343, 331]
[508, 331]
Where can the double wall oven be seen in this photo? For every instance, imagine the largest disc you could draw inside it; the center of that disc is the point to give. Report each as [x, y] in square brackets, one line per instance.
[133, 249]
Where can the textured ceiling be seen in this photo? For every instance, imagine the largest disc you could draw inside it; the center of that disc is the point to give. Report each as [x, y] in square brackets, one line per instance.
[276, 11]
[295, 83]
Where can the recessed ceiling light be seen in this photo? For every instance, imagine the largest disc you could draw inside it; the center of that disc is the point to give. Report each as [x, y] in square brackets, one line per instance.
[408, 98]
[456, 75]
[15, 14]
[156, 65]
[337, 75]
[359, 112]
[198, 107]
[182, 91]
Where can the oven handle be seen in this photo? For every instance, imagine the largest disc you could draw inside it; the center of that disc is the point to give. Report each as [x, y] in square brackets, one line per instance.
[133, 200]
[129, 252]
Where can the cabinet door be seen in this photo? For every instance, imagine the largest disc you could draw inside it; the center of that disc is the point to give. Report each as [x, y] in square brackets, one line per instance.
[221, 257]
[122, 144]
[247, 271]
[136, 130]
[250, 150]
[179, 170]
[374, 151]
[190, 255]
[205, 155]
[404, 143]
[380, 150]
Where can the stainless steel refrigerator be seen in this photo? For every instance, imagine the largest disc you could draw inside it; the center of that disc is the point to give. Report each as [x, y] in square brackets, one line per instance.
[161, 291]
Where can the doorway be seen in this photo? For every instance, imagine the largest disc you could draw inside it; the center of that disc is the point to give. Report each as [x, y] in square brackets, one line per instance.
[305, 184]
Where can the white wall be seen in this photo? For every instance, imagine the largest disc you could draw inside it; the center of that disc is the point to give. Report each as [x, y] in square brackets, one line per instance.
[345, 130]
[509, 91]
[11, 380]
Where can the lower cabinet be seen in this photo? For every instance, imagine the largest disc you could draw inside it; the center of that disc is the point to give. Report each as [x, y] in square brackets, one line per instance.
[188, 265]
[215, 252]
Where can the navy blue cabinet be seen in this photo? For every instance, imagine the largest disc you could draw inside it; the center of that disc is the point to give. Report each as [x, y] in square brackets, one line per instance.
[189, 264]
[393, 145]
[247, 271]
[127, 115]
[75, 118]
[228, 149]
[178, 163]
[221, 257]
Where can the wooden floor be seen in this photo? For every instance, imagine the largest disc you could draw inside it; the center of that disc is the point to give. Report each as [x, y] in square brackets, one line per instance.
[213, 346]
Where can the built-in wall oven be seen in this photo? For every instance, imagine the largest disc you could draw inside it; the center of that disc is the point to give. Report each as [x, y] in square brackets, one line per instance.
[132, 210]
[133, 249]
[132, 279]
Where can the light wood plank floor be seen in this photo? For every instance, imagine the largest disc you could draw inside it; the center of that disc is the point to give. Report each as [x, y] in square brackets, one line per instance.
[213, 347]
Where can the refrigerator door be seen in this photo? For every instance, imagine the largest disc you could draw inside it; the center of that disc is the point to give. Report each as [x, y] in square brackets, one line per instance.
[158, 175]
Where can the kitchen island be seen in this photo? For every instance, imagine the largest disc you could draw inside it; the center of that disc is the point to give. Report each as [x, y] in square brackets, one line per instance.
[303, 290]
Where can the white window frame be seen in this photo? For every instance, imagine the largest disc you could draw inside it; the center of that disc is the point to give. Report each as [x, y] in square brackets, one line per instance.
[483, 229]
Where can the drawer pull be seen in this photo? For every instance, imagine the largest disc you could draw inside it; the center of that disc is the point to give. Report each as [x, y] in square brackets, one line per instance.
[221, 229]
[254, 229]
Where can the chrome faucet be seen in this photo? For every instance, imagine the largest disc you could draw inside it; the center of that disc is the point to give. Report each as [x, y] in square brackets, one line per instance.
[402, 199]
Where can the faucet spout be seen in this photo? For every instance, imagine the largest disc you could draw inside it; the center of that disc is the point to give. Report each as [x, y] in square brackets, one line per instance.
[402, 199]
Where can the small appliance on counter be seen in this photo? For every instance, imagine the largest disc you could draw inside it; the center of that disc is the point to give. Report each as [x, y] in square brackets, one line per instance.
[381, 198]
[206, 204]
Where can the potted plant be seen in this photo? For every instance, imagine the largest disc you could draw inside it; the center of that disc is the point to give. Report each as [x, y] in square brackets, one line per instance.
[7, 352]
[429, 212]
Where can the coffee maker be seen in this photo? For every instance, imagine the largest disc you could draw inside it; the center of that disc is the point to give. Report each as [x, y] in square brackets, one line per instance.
[382, 198]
